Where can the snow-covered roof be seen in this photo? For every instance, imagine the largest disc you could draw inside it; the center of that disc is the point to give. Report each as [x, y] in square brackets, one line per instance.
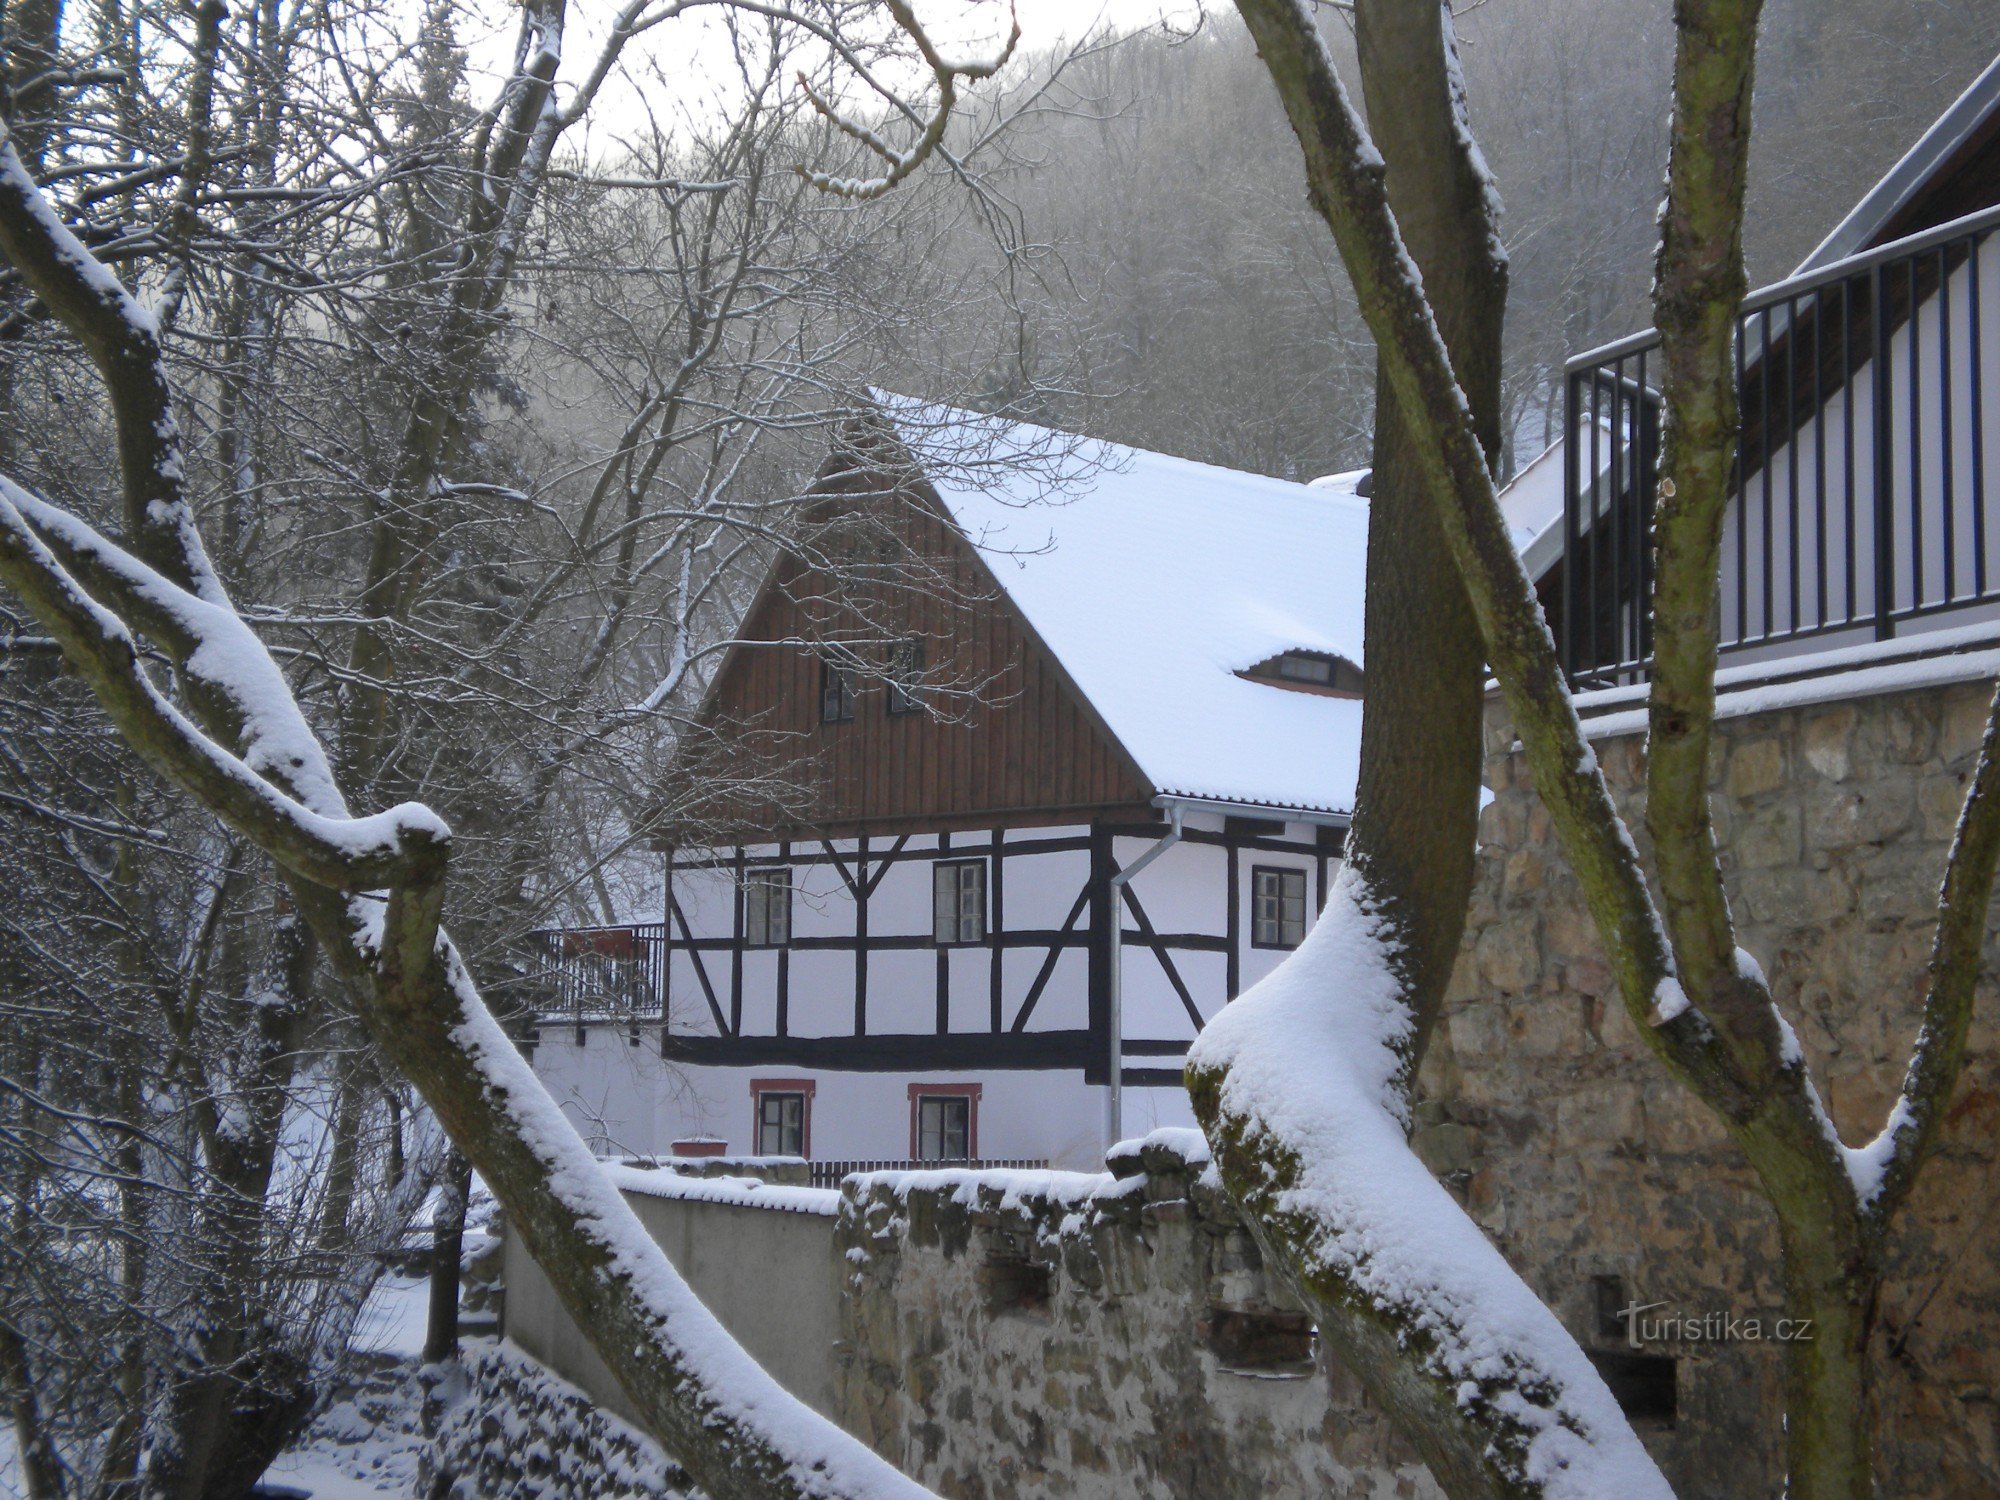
[1910, 175]
[1154, 581]
[1532, 502]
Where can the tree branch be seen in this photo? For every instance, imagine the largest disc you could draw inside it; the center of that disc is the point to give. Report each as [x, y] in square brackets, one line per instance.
[123, 341]
[1957, 952]
[1699, 284]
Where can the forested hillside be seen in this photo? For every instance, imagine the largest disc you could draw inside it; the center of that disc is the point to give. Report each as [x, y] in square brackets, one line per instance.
[1189, 300]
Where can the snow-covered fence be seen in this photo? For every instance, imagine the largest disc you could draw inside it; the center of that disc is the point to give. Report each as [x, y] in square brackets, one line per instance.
[759, 1255]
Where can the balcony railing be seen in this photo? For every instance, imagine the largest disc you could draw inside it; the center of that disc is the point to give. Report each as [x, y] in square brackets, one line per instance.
[1860, 492]
[600, 973]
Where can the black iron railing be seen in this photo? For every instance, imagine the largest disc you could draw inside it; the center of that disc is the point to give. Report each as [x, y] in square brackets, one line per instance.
[600, 973]
[1861, 486]
[829, 1173]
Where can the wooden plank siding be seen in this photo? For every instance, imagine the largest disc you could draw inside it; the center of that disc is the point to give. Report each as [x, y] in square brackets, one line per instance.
[1008, 741]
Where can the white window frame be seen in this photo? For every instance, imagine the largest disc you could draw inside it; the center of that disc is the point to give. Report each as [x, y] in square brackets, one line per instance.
[958, 902]
[767, 907]
[1277, 915]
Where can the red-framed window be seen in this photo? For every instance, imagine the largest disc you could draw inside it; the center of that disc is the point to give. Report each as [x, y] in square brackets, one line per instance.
[944, 1121]
[781, 1116]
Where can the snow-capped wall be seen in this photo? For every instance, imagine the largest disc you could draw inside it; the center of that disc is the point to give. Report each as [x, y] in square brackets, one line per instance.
[1103, 1336]
[1012, 1334]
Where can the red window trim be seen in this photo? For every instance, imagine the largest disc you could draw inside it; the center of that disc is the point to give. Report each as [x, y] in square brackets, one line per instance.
[762, 1086]
[969, 1092]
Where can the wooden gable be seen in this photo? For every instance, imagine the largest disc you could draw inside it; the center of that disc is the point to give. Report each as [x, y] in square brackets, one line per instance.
[1002, 736]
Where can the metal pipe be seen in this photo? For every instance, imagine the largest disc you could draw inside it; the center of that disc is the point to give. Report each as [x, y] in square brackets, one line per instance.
[1114, 1099]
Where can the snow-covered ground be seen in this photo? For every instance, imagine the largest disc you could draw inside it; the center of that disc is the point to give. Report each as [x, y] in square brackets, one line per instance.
[361, 1448]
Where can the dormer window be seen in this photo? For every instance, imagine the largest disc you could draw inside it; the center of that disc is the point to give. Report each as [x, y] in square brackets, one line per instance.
[1309, 672]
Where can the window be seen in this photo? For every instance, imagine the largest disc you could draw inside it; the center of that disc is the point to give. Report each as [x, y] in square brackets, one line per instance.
[1307, 669]
[836, 693]
[943, 1126]
[1309, 672]
[944, 1121]
[1278, 907]
[958, 889]
[906, 672]
[781, 1117]
[781, 1124]
[767, 908]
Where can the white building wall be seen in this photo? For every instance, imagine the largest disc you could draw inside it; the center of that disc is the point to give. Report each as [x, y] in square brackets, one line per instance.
[626, 1099]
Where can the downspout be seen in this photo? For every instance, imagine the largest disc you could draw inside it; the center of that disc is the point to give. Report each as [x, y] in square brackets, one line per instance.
[1114, 1101]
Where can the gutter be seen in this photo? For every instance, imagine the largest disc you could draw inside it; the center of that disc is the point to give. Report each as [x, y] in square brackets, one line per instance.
[1175, 805]
[1176, 808]
[1114, 1101]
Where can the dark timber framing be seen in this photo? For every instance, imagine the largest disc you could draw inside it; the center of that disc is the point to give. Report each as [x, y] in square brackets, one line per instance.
[1005, 1041]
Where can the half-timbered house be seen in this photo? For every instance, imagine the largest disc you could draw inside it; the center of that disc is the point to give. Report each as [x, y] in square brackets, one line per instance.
[1070, 764]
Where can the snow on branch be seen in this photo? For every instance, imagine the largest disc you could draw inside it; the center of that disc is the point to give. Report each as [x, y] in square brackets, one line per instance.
[683, 1370]
[733, 1427]
[325, 846]
[1297, 1082]
[123, 340]
[946, 73]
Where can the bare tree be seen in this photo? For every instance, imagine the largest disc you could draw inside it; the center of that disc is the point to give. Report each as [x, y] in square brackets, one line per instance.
[1704, 1007]
[446, 630]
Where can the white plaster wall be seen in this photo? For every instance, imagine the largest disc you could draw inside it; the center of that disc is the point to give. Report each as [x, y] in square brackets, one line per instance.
[626, 1099]
[645, 1104]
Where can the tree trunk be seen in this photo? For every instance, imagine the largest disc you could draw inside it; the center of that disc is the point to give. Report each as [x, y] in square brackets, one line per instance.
[447, 1252]
[1302, 1086]
[1417, 804]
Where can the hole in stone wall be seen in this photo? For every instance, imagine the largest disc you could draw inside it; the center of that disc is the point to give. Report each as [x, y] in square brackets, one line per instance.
[1010, 1282]
[1642, 1383]
[1608, 1292]
[1258, 1340]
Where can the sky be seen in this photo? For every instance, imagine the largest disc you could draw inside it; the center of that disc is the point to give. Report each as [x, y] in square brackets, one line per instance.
[691, 48]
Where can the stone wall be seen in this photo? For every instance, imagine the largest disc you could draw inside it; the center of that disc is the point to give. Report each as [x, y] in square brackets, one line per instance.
[500, 1427]
[758, 1253]
[1057, 1334]
[1606, 1184]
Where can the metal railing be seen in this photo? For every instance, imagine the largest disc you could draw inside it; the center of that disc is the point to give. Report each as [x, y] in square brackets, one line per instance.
[829, 1173]
[1860, 491]
[600, 973]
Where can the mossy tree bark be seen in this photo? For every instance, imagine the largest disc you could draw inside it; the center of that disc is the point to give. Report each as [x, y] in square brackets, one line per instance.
[1405, 893]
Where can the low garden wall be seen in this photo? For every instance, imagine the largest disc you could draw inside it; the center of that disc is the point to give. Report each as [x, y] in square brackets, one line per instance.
[759, 1254]
[1063, 1334]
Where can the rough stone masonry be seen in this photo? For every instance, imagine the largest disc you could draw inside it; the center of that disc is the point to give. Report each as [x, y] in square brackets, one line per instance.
[1609, 1187]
